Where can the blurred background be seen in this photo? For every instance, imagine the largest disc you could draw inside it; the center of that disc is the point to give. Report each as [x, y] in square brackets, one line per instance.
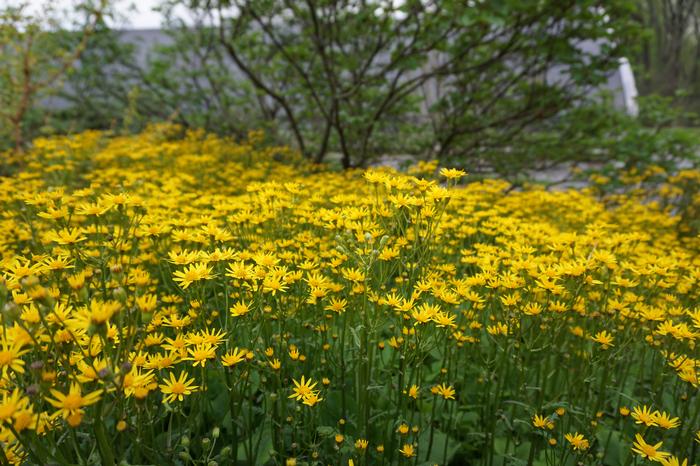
[517, 89]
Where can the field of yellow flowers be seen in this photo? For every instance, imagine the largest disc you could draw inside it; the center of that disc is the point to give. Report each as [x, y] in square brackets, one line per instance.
[178, 298]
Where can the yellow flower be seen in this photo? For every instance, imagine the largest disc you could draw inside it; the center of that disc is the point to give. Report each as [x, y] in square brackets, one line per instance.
[177, 389]
[665, 421]
[66, 236]
[452, 173]
[413, 391]
[234, 357]
[70, 405]
[275, 281]
[293, 352]
[354, 275]
[648, 451]
[408, 451]
[532, 309]
[604, 338]
[240, 309]
[336, 305]
[361, 444]
[10, 358]
[542, 422]
[673, 461]
[200, 354]
[191, 274]
[312, 398]
[302, 389]
[147, 302]
[444, 390]
[644, 415]
[578, 441]
[99, 312]
[12, 403]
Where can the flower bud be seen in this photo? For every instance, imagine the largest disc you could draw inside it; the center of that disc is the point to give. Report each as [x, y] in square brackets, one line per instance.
[36, 365]
[119, 293]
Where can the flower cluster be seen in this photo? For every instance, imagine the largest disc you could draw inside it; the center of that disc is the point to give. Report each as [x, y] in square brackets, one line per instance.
[179, 298]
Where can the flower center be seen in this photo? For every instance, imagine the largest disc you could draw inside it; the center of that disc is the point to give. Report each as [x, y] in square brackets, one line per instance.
[73, 401]
[178, 388]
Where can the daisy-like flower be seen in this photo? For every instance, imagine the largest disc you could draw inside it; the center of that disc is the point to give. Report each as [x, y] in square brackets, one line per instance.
[294, 352]
[177, 389]
[312, 398]
[336, 305]
[234, 357]
[445, 391]
[413, 391]
[138, 384]
[604, 338]
[275, 281]
[58, 263]
[452, 173]
[66, 236]
[239, 309]
[211, 336]
[542, 422]
[98, 313]
[673, 461]
[408, 451]
[443, 319]
[644, 415]
[578, 441]
[70, 406]
[11, 404]
[650, 452]
[361, 444]
[191, 274]
[303, 388]
[665, 421]
[11, 358]
[200, 354]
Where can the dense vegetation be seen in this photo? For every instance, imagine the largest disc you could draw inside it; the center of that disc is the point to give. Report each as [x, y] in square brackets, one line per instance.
[198, 269]
[178, 298]
[358, 79]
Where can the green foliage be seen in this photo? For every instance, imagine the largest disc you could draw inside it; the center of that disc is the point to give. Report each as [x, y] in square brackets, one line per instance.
[595, 138]
[667, 61]
[349, 78]
[501, 87]
[444, 79]
[37, 53]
